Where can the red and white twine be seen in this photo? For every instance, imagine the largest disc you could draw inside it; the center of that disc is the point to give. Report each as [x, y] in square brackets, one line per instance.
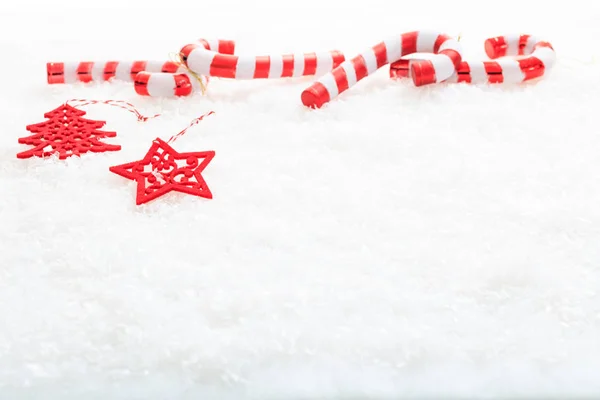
[115, 103]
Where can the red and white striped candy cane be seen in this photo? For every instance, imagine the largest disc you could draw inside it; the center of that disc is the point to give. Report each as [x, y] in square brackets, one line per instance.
[536, 57]
[99, 71]
[202, 60]
[158, 84]
[447, 55]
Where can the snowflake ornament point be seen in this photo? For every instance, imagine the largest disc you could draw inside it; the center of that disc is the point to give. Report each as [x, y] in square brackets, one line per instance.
[67, 134]
[163, 170]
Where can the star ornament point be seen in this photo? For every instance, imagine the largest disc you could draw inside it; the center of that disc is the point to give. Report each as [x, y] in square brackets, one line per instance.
[163, 170]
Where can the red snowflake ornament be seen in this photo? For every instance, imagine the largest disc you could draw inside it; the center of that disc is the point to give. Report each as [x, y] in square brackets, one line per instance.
[67, 134]
[163, 170]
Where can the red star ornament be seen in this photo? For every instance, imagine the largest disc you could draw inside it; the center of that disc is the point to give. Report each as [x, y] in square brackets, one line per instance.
[67, 134]
[163, 170]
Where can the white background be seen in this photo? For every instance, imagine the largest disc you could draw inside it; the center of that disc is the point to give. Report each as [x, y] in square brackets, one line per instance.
[439, 241]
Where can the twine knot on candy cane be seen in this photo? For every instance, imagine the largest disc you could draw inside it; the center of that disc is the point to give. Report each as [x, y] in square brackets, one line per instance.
[177, 59]
[182, 83]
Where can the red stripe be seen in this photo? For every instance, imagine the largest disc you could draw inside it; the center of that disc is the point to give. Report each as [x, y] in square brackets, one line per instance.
[110, 70]
[262, 67]
[341, 79]
[315, 96]
[186, 50]
[338, 58]
[380, 54]
[310, 64]
[360, 67]
[169, 67]
[532, 67]
[205, 44]
[409, 43]
[422, 72]
[400, 69]
[494, 72]
[55, 72]
[223, 66]
[226, 46]
[136, 68]
[522, 44]
[183, 86]
[496, 47]
[464, 73]
[84, 71]
[543, 44]
[453, 55]
[439, 42]
[140, 83]
[288, 66]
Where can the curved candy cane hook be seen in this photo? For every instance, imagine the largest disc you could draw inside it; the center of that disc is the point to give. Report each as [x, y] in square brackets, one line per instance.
[447, 56]
[536, 58]
[199, 58]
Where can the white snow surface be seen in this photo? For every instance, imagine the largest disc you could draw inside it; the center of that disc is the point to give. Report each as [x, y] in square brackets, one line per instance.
[408, 242]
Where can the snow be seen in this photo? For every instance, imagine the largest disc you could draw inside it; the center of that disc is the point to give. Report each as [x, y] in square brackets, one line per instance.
[400, 242]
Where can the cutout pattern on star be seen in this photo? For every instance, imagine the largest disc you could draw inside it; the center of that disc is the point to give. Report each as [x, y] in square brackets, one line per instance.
[163, 170]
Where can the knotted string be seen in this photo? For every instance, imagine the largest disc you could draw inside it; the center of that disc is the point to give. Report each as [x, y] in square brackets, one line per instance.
[176, 58]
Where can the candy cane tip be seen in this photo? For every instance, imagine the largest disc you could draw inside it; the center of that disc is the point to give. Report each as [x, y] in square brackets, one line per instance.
[492, 48]
[422, 72]
[315, 96]
[400, 69]
[310, 100]
[55, 72]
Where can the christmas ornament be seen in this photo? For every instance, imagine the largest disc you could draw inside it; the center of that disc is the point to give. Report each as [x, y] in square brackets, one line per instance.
[447, 54]
[536, 57]
[163, 170]
[440, 61]
[169, 78]
[100, 71]
[182, 84]
[215, 58]
[66, 133]
[199, 57]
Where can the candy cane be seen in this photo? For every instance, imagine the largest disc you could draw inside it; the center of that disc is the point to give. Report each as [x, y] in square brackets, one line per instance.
[447, 55]
[157, 84]
[202, 60]
[99, 71]
[537, 57]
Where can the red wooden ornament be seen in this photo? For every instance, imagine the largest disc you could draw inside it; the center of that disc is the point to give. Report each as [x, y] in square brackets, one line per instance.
[67, 134]
[163, 169]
